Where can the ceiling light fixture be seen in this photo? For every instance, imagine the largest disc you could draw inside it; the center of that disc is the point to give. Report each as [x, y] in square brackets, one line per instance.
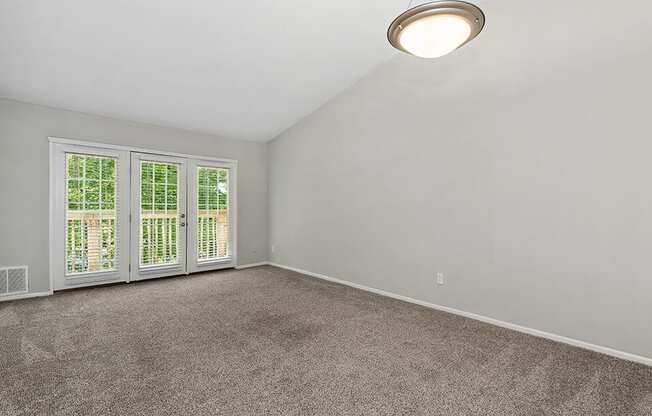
[435, 29]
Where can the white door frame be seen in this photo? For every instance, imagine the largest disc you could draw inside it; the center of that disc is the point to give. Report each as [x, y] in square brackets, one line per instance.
[136, 149]
[232, 260]
[150, 272]
[58, 278]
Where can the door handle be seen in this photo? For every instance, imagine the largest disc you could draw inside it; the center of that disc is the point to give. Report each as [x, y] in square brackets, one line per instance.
[183, 224]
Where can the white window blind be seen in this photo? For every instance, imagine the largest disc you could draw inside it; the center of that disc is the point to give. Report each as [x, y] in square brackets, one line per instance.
[213, 226]
[91, 214]
[159, 225]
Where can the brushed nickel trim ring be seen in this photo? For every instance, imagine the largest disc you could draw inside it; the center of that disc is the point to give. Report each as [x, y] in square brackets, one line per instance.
[470, 12]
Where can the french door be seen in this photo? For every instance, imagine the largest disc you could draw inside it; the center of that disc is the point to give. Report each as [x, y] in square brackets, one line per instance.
[211, 209]
[158, 216]
[119, 215]
[89, 216]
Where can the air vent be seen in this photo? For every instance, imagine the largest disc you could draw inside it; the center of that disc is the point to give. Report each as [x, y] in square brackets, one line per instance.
[13, 280]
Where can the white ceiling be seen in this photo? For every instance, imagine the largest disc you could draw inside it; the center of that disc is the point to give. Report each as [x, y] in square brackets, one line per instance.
[244, 70]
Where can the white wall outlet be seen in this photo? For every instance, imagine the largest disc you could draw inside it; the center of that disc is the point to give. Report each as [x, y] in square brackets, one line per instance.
[440, 278]
[273, 248]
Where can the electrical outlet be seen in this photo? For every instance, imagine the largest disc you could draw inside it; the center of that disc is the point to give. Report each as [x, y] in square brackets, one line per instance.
[273, 248]
[440, 278]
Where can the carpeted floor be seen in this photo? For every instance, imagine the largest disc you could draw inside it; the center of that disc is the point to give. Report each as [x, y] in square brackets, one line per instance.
[267, 341]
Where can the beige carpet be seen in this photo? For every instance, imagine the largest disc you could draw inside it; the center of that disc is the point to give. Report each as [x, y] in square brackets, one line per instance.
[266, 341]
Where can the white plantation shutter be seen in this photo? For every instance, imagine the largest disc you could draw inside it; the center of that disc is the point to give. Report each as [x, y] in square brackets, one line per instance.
[213, 213]
[92, 213]
[159, 213]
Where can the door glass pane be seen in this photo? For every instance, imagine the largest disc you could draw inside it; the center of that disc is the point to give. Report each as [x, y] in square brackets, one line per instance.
[213, 213]
[91, 225]
[159, 227]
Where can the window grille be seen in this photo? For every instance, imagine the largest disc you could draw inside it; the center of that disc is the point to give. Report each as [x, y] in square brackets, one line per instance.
[91, 214]
[213, 227]
[159, 225]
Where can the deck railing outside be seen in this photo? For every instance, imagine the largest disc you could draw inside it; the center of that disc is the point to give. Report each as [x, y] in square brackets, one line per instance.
[92, 238]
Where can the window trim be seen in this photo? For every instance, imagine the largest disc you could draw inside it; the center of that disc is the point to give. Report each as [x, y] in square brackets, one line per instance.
[77, 142]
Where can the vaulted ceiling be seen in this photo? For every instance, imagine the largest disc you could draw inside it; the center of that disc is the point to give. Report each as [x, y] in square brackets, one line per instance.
[250, 70]
[244, 70]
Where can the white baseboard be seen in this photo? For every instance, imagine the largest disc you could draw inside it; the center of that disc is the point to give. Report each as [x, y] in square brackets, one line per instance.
[535, 332]
[25, 296]
[247, 266]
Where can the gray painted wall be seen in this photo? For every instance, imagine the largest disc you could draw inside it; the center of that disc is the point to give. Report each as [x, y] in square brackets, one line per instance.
[24, 160]
[519, 166]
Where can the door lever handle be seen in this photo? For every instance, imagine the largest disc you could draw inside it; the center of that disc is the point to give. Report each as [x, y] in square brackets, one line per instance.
[183, 224]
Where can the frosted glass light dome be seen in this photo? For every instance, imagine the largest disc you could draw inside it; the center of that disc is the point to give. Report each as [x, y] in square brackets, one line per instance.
[435, 29]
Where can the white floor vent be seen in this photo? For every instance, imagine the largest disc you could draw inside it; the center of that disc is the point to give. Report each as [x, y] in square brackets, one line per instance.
[13, 280]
